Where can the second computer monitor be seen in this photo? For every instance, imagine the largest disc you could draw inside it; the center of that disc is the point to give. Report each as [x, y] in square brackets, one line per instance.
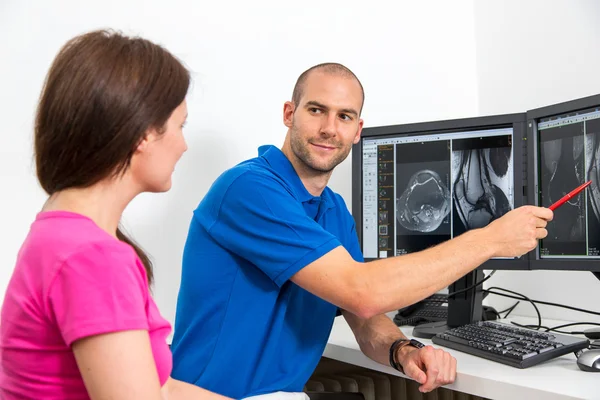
[418, 185]
[564, 152]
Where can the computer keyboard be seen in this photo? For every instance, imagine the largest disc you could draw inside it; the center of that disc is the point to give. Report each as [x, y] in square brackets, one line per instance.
[508, 344]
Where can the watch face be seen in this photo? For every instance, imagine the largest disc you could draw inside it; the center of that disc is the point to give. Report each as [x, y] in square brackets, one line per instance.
[416, 343]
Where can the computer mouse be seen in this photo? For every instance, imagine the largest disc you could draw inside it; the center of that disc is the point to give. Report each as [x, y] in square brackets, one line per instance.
[589, 361]
[593, 333]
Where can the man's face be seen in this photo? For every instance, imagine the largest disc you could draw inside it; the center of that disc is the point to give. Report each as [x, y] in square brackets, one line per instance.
[326, 122]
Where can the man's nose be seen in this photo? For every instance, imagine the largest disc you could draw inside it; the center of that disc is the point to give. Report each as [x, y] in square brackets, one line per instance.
[328, 128]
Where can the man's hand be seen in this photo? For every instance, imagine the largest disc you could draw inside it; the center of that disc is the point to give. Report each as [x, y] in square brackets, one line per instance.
[518, 231]
[429, 366]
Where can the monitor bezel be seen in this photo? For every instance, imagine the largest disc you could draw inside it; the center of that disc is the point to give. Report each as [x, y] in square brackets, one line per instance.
[533, 116]
[517, 121]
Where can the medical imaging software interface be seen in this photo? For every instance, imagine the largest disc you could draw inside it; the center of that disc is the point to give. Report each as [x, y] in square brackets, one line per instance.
[419, 191]
[568, 156]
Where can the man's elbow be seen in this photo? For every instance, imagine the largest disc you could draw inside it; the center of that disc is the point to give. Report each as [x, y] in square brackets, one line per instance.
[366, 311]
[364, 302]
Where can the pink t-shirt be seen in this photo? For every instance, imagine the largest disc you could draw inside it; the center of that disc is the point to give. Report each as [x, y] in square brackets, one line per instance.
[71, 280]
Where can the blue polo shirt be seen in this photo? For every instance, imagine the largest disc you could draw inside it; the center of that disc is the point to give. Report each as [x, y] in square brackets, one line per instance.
[242, 328]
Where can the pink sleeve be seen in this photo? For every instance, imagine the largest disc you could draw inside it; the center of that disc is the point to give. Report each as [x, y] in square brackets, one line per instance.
[99, 289]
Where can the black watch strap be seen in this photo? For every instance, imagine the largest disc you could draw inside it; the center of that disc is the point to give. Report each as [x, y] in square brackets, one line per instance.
[402, 342]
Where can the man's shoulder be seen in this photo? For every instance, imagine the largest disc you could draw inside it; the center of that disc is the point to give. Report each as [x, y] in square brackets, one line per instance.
[244, 181]
[246, 175]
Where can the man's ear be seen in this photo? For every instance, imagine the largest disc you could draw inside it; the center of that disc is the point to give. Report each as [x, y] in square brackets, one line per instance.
[358, 132]
[288, 113]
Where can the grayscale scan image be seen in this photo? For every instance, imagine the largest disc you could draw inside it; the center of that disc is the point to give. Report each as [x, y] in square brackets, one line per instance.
[483, 181]
[422, 195]
[562, 169]
[592, 157]
[425, 202]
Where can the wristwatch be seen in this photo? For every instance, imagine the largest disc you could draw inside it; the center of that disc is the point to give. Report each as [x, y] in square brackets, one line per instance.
[398, 344]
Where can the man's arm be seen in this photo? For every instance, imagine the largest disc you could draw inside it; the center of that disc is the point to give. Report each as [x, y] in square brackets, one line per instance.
[377, 287]
[430, 367]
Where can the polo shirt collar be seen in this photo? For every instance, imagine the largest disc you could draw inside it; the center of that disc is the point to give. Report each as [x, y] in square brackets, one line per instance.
[280, 163]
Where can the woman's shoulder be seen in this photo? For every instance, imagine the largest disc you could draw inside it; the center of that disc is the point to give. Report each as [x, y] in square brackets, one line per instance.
[58, 236]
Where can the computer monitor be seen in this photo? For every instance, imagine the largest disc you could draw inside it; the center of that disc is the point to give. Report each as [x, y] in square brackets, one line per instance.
[564, 152]
[417, 185]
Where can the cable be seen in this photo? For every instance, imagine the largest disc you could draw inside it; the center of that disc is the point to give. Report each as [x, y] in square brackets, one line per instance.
[509, 309]
[512, 308]
[472, 286]
[540, 326]
[547, 303]
[554, 329]
[489, 290]
[537, 327]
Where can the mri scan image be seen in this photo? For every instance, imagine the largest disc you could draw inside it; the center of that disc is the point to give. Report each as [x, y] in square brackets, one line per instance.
[482, 172]
[422, 195]
[592, 168]
[562, 169]
[425, 202]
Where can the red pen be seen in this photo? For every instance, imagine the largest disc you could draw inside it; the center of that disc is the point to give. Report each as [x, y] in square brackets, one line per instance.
[569, 195]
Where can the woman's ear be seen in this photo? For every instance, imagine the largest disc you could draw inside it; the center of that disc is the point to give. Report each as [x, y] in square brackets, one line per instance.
[150, 136]
[142, 145]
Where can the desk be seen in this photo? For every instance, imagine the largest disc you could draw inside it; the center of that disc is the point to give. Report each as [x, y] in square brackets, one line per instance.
[551, 380]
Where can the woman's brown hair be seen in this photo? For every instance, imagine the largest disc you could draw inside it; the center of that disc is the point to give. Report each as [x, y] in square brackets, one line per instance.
[103, 92]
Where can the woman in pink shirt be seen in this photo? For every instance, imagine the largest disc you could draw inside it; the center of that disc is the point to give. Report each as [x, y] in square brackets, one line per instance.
[78, 320]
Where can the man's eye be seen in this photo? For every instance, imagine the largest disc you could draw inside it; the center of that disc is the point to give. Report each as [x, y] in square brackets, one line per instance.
[345, 117]
[314, 110]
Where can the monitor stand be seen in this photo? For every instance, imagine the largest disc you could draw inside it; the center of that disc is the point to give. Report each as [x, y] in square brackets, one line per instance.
[464, 308]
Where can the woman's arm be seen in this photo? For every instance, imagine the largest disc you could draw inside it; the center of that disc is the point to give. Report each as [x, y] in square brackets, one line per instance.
[118, 366]
[178, 390]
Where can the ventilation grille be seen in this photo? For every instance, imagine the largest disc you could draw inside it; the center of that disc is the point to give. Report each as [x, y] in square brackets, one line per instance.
[379, 386]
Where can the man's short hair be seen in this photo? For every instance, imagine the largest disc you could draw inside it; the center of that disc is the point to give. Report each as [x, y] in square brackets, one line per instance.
[328, 68]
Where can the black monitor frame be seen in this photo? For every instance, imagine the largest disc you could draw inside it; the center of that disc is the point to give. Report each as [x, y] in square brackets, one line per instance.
[516, 121]
[533, 116]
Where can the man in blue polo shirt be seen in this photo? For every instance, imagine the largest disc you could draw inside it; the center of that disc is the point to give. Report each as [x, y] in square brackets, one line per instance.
[272, 253]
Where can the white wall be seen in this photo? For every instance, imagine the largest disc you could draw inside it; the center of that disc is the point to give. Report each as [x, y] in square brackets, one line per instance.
[415, 59]
[532, 54]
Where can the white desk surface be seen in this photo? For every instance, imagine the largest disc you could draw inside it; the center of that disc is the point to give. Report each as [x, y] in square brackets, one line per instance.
[559, 378]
